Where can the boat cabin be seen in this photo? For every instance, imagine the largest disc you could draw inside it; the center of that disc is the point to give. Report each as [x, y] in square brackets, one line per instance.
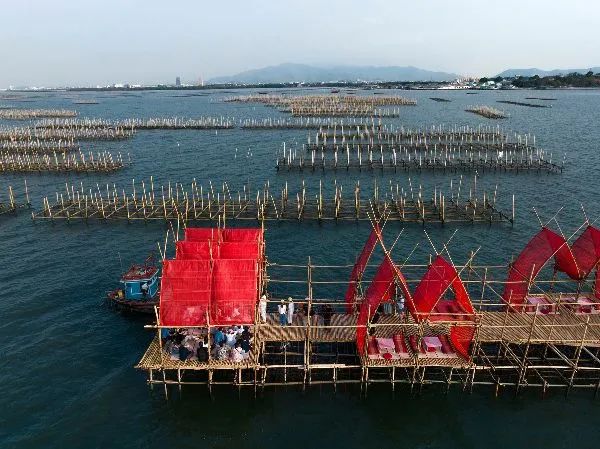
[137, 276]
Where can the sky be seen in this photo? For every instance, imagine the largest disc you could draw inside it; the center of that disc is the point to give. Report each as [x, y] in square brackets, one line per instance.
[98, 42]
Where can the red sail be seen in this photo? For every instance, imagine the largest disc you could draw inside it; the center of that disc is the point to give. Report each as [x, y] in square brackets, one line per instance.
[541, 248]
[360, 265]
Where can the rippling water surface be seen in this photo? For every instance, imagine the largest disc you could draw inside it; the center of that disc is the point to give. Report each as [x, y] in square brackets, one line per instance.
[66, 360]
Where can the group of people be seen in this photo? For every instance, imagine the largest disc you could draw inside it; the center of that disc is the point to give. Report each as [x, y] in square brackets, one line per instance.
[287, 310]
[232, 343]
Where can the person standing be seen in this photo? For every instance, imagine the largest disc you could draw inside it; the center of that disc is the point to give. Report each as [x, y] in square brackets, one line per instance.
[144, 289]
[262, 307]
[290, 311]
[282, 309]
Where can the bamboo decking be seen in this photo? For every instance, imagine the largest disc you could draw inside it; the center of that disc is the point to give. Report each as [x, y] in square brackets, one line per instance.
[510, 349]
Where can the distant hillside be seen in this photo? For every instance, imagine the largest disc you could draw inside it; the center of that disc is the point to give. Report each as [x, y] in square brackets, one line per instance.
[542, 73]
[285, 73]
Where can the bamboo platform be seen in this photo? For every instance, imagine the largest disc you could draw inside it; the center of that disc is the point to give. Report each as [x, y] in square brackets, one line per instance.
[557, 350]
[146, 203]
[499, 358]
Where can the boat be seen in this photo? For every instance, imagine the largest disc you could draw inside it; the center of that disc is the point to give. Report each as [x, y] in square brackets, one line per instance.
[130, 295]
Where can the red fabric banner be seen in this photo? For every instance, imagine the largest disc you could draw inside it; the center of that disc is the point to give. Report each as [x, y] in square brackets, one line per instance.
[379, 290]
[202, 234]
[234, 291]
[461, 337]
[242, 235]
[185, 249]
[586, 251]
[239, 250]
[225, 288]
[359, 267]
[542, 247]
[437, 281]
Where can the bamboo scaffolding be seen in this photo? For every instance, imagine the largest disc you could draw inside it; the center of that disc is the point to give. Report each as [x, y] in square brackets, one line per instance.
[311, 352]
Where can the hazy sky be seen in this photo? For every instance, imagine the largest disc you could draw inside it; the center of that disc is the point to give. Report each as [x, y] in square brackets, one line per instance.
[89, 42]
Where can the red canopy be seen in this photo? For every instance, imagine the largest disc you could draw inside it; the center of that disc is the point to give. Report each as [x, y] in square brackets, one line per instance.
[379, 291]
[235, 291]
[440, 278]
[202, 234]
[360, 265]
[586, 252]
[185, 292]
[216, 273]
[193, 250]
[541, 248]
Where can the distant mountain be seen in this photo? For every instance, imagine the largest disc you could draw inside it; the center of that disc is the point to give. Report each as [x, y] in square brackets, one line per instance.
[286, 73]
[542, 73]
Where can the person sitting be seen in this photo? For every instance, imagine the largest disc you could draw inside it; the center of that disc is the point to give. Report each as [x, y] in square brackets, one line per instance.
[231, 337]
[184, 353]
[246, 335]
[237, 354]
[245, 340]
[218, 337]
[224, 351]
[203, 351]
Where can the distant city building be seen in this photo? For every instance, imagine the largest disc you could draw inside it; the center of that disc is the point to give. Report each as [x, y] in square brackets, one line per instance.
[177, 81]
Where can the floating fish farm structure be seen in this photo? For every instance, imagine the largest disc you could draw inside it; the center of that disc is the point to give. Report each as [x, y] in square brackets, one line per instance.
[10, 204]
[28, 114]
[486, 111]
[147, 202]
[140, 124]
[58, 163]
[367, 148]
[330, 105]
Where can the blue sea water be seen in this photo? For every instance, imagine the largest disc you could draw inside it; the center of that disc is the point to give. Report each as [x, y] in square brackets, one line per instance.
[66, 360]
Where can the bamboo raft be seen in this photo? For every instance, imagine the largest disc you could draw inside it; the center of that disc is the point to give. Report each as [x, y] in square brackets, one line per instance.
[103, 162]
[535, 350]
[147, 202]
[28, 114]
[487, 112]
